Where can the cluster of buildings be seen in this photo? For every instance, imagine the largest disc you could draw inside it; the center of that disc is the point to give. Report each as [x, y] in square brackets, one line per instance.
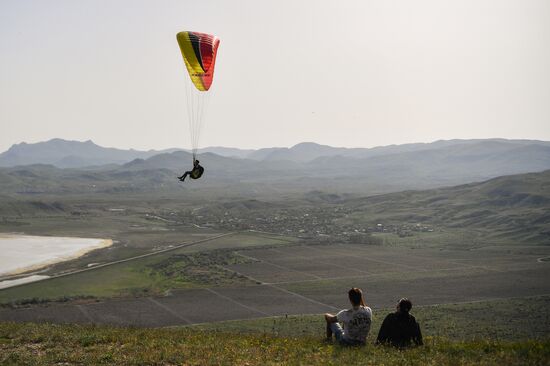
[306, 222]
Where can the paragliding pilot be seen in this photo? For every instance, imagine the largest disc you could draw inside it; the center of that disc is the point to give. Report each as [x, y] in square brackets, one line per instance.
[196, 173]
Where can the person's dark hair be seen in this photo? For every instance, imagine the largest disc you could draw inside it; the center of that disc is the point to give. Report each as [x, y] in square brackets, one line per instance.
[405, 305]
[356, 296]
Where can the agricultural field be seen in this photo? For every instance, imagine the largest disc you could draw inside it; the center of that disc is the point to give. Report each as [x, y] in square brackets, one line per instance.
[282, 278]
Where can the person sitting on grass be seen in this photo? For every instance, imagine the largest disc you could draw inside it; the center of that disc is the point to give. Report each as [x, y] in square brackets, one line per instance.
[400, 329]
[350, 327]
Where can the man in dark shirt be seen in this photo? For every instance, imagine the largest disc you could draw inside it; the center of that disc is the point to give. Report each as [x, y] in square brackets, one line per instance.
[400, 329]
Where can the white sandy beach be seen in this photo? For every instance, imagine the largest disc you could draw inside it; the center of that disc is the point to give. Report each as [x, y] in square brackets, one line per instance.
[20, 253]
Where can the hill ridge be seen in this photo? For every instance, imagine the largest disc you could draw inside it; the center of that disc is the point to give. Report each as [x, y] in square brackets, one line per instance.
[78, 154]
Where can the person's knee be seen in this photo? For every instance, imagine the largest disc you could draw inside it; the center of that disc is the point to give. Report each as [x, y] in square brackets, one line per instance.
[337, 330]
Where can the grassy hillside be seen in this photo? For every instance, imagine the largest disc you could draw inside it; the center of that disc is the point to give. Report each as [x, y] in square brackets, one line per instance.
[33, 344]
[505, 319]
[512, 207]
[284, 341]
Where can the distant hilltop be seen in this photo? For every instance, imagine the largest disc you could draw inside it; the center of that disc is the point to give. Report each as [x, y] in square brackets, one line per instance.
[70, 154]
[78, 154]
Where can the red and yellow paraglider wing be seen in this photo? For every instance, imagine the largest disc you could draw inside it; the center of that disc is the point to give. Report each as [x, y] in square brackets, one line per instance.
[199, 53]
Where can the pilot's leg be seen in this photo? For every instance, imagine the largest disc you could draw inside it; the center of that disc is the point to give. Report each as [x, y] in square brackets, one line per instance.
[182, 178]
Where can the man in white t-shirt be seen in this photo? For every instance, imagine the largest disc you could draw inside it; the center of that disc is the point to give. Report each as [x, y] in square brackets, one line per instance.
[351, 326]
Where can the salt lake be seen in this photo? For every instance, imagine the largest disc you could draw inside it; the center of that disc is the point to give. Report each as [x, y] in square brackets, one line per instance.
[21, 253]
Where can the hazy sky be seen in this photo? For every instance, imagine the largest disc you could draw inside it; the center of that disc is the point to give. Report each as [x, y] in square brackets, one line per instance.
[344, 73]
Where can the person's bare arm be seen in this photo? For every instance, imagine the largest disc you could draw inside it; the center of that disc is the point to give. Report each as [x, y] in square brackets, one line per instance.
[330, 318]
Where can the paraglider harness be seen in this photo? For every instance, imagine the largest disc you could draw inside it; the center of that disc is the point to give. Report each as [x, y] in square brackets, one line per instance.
[196, 173]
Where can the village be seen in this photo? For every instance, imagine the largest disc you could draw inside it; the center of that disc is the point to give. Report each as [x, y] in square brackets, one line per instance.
[319, 223]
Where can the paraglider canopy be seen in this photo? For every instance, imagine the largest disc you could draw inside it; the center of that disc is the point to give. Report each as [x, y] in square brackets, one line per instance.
[199, 53]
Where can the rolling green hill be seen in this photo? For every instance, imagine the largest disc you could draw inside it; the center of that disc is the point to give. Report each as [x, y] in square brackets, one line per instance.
[512, 206]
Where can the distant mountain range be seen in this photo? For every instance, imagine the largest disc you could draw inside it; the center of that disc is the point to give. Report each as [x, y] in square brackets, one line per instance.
[301, 168]
[70, 154]
[76, 154]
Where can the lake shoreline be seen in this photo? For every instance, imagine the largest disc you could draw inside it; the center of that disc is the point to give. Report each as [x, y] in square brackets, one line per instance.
[25, 253]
